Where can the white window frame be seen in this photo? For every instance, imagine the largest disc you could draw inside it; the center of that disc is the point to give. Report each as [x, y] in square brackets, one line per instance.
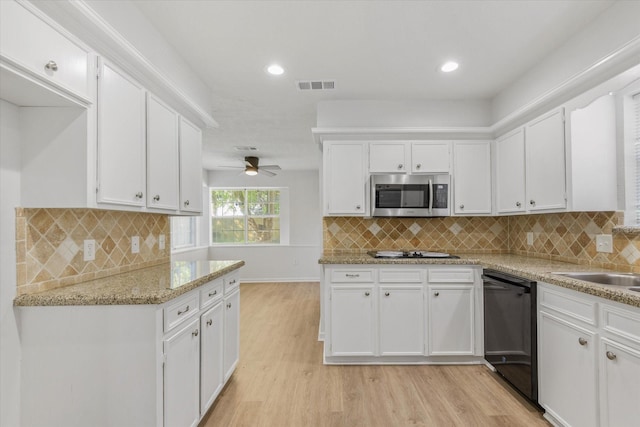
[193, 243]
[631, 134]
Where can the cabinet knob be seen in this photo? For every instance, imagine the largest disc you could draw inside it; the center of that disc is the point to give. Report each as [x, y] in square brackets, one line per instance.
[51, 66]
[582, 341]
[436, 294]
[366, 294]
[386, 294]
[139, 195]
[209, 322]
[229, 305]
[418, 166]
[194, 333]
[400, 166]
[611, 355]
[156, 197]
[357, 207]
[186, 203]
[518, 204]
[532, 202]
[461, 206]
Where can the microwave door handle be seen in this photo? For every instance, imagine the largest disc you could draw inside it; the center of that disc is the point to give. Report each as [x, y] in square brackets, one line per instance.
[430, 196]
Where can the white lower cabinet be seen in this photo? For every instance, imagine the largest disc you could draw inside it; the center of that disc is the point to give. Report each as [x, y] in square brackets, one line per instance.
[385, 314]
[182, 376]
[451, 320]
[620, 384]
[211, 354]
[231, 333]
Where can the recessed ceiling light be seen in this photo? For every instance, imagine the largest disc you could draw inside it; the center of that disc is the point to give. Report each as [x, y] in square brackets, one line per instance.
[449, 66]
[275, 69]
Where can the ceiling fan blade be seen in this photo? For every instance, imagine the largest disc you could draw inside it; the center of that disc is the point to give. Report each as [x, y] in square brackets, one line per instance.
[271, 167]
[266, 172]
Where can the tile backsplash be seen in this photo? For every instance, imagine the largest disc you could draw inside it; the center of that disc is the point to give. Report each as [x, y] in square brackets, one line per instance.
[50, 245]
[566, 237]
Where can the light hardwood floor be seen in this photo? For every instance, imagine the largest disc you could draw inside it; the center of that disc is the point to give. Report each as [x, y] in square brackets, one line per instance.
[281, 381]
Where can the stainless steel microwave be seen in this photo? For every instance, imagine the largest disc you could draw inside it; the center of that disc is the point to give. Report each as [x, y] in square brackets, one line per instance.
[410, 195]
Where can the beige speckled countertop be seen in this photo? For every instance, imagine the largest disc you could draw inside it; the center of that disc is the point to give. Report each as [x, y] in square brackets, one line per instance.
[153, 285]
[531, 268]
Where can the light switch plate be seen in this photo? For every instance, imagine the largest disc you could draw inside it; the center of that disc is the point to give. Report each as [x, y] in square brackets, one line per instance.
[135, 245]
[89, 250]
[161, 242]
[604, 243]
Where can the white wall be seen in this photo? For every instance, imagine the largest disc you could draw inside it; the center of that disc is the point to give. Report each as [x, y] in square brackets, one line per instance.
[296, 261]
[10, 198]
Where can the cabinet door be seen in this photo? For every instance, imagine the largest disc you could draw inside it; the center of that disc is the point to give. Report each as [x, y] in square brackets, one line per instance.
[567, 371]
[545, 157]
[389, 157]
[231, 333]
[190, 167]
[121, 138]
[401, 321]
[510, 173]
[352, 329]
[344, 179]
[162, 155]
[450, 308]
[620, 379]
[430, 157]
[182, 377]
[211, 354]
[472, 177]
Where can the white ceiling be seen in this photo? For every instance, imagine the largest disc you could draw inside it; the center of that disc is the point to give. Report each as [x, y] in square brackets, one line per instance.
[374, 50]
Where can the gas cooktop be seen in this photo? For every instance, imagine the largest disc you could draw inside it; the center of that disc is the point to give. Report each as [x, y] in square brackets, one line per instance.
[410, 254]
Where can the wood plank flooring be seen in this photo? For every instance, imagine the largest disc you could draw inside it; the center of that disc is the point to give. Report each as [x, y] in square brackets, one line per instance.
[281, 381]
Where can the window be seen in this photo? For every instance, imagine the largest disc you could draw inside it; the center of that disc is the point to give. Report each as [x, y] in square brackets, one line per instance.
[183, 232]
[249, 216]
[636, 144]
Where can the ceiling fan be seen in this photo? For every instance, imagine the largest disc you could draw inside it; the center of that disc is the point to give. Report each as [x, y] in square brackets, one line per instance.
[251, 167]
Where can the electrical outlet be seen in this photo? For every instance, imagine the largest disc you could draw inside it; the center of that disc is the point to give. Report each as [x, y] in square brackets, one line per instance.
[135, 245]
[530, 238]
[161, 242]
[89, 250]
[604, 243]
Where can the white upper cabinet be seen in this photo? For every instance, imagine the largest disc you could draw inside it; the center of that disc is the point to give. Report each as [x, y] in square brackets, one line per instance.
[34, 49]
[510, 172]
[389, 157]
[162, 155]
[430, 157]
[472, 177]
[545, 162]
[190, 167]
[121, 138]
[345, 178]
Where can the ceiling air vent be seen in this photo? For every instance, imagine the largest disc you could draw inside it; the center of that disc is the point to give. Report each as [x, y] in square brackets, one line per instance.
[316, 84]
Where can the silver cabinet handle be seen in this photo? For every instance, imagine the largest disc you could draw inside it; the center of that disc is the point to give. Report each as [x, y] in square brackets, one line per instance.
[352, 275]
[232, 282]
[418, 166]
[156, 197]
[139, 195]
[183, 311]
[213, 293]
[518, 204]
[582, 341]
[386, 294]
[358, 207]
[186, 203]
[461, 206]
[366, 294]
[209, 322]
[436, 294]
[194, 333]
[532, 202]
[51, 66]
[611, 355]
[229, 305]
[400, 166]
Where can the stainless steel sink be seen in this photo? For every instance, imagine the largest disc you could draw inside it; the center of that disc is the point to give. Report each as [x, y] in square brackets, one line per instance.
[625, 280]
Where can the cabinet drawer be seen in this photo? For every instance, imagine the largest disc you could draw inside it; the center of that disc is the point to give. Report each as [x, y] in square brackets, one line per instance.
[400, 276]
[211, 292]
[451, 275]
[180, 309]
[624, 323]
[231, 282]
[351, 276]
[32, 43]
[568, 304]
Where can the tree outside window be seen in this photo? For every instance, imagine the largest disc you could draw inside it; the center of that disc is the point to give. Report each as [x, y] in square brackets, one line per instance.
[245, 216]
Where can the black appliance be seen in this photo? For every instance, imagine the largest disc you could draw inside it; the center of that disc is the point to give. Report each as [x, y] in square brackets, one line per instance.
[510, 330]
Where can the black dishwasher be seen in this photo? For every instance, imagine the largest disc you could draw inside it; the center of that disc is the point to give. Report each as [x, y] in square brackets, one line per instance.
[510, 332]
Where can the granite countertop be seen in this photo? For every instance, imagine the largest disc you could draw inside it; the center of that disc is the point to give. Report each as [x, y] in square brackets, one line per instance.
[152, 285]
[528, 267]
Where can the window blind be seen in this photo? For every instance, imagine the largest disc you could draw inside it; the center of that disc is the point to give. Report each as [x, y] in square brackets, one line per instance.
[636, 112]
